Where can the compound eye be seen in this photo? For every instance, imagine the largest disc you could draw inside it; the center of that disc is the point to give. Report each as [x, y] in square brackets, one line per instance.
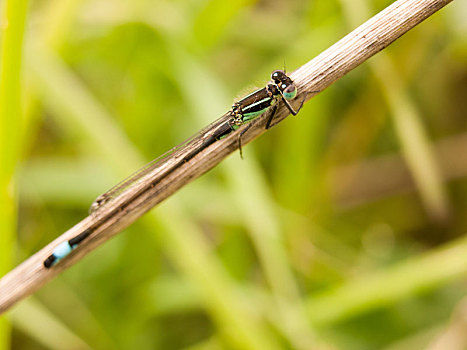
[284, 86]
[276, 75]
[290, 92]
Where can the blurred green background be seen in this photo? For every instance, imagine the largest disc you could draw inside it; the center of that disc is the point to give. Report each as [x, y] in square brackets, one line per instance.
[343, 228]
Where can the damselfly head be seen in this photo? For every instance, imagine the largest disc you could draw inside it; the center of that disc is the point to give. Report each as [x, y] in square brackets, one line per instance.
[284, 84]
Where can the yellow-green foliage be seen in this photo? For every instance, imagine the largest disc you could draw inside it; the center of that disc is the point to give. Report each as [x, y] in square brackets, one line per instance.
[343, 227]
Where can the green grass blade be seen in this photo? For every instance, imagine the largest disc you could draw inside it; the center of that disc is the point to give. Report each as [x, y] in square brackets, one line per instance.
[40, 324]
[429, 271]
[13, 22]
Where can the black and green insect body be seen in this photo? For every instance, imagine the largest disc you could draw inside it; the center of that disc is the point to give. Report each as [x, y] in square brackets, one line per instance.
[253, 105]
[259, 101]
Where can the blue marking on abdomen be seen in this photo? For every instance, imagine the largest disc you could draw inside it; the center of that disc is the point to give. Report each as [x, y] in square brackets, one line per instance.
[62, 250]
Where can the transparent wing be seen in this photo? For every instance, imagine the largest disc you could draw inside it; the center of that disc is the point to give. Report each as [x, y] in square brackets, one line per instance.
[160, 161]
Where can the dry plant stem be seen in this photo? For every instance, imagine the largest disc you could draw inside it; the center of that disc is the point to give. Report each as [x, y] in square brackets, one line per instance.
[316, 75]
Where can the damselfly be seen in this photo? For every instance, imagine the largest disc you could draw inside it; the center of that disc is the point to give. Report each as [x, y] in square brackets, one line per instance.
[282, 88]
